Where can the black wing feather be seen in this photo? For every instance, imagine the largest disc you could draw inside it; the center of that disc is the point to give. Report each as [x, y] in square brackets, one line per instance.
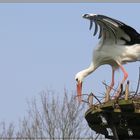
[134, 35]
[131, 32]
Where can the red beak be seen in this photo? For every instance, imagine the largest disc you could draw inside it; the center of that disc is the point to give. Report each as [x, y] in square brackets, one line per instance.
[79, 91]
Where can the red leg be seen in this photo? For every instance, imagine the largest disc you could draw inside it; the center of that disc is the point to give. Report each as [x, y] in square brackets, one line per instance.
[112, 82]
[124, 78]
[125, 74]
[110, 87]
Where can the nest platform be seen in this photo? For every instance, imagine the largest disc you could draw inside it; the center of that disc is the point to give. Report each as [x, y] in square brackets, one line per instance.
[117, 119]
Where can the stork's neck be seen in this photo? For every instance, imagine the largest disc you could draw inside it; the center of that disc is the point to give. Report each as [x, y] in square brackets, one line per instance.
[88, 71]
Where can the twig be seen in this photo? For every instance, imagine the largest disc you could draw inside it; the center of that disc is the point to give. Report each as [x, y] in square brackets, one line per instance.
[105, 85]
[80, 95]
[108, 86]
[97, 136]
[85, 101]
[96, 98]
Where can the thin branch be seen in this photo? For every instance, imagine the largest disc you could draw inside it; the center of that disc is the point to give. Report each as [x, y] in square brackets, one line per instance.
[108, 86]
[95, 97]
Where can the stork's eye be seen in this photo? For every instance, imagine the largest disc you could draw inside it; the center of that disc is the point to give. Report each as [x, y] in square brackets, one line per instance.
[77, 79]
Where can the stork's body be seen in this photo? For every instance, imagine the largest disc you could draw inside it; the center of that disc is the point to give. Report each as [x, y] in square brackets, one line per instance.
[113, 55]
[118, 45]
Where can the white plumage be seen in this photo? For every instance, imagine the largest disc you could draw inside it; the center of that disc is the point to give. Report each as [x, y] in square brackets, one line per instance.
[119, 44]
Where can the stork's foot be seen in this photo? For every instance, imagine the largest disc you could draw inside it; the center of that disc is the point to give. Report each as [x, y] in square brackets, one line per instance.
[119, 92]
[117, 95]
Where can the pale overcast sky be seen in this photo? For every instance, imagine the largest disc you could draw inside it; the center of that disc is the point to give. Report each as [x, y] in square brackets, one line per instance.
[43, 46]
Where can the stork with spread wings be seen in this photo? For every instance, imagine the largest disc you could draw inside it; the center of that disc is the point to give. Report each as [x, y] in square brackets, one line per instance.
[118, 44]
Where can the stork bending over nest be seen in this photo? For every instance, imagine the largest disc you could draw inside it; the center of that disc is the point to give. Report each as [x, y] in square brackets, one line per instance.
[119, 44]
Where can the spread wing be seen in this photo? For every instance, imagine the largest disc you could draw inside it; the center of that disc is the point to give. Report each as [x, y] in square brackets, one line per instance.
[113, 31]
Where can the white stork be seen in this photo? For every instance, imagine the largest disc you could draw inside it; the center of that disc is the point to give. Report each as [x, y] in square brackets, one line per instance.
[119, 44]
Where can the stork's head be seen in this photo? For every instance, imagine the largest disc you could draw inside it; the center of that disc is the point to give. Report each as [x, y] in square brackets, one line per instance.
[79, 77]
[89, 16]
